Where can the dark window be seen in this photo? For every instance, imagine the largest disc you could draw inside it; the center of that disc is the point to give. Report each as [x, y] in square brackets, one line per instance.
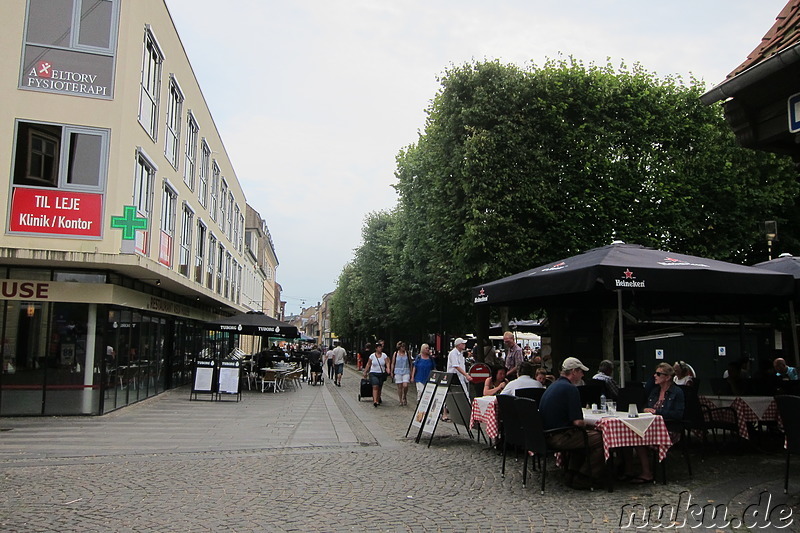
[50, 155]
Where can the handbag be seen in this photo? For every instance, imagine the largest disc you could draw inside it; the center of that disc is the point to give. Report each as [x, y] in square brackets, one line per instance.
[384, 374]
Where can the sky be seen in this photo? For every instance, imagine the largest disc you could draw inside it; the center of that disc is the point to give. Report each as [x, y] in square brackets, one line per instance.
[314, 99]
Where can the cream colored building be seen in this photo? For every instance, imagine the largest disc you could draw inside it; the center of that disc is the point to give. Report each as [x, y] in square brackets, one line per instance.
[124, 227]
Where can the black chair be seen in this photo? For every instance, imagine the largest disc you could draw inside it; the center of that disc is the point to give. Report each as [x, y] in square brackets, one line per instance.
[631, 393]
[590, 393]
[511, 426]
[693, 418]
[527, 411]
[533, 394]
[789, 411]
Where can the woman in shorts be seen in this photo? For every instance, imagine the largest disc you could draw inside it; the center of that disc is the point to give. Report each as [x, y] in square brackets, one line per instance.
[401, 363]
[378, 366]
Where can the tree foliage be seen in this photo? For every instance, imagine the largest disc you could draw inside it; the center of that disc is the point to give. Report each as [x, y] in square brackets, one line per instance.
[520, 166]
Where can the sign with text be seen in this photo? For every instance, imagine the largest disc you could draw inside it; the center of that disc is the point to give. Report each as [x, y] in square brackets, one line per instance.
[56, 212]
[55, 70]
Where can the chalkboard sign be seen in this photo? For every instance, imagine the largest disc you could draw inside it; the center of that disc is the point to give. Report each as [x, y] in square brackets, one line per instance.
[228, 379]
[203, 378]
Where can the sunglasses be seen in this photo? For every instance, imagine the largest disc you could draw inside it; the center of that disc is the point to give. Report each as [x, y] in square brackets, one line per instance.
[660, 374]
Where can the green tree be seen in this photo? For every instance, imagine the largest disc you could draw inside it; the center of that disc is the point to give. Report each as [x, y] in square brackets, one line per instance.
[520, 166]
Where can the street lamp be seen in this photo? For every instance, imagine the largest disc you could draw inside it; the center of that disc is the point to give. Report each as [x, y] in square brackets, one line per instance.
[771, 233]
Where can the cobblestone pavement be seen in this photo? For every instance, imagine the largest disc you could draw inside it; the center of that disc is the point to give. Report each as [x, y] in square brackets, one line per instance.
[317, 459]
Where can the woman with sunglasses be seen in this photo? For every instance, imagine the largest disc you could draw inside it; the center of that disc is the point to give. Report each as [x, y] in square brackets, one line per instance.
[666, 399]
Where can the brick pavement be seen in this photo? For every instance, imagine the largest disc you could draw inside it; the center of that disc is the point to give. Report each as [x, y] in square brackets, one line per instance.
[314, 459]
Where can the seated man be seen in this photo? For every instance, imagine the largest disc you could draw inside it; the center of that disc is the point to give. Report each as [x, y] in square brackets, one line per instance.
[784, 371]
[524, 381]
[604, 372]
[561, 408]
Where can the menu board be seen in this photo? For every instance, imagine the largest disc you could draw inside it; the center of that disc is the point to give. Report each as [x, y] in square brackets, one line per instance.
[203, 376]
[228, 377]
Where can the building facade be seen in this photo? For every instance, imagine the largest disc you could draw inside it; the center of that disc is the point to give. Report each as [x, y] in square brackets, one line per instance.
[124, 227]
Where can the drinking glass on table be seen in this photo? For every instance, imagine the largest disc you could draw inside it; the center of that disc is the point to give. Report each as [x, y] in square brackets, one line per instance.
[612, 407]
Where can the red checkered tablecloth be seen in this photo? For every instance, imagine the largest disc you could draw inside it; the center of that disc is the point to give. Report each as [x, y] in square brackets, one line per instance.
[617, 435]
[744, 412]
[484, 410]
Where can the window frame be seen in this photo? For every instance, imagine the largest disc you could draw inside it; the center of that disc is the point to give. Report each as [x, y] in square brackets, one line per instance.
[185, 256]
[174, 119]
[64, 157]
[202, 174]
[190, 153]
[152, 67]
[200, 251]
[75, 27]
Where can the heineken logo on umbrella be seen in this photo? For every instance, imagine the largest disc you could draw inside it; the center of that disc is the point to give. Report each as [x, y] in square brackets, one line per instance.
[629, 281]
[481, 297]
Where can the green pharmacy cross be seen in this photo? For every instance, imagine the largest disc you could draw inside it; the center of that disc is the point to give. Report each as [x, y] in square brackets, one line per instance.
[129, 222]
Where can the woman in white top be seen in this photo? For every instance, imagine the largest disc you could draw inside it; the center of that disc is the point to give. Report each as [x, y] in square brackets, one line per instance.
[683, 374]
[401, 363]
[378, 367]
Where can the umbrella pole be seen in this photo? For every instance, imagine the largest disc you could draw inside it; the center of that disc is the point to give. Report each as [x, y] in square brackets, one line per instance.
[621, 344]
[793, 320]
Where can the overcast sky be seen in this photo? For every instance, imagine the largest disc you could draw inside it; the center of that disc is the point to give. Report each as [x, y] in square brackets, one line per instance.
[315, 98]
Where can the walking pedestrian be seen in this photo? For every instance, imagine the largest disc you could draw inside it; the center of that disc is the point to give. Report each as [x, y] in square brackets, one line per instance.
[378, 368]
[329, 362]
[422, 368]
[339, 354]
[401, 363]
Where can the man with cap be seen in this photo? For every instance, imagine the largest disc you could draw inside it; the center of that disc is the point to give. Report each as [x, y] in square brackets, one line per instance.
[560, 407]
[457, 364]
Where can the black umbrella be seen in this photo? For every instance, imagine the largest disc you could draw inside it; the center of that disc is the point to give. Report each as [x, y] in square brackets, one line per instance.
[620, 267]
[788, 264]
[631, 267]
[254, 323]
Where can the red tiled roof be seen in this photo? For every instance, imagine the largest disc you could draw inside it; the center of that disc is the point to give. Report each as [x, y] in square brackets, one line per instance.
[783, 34]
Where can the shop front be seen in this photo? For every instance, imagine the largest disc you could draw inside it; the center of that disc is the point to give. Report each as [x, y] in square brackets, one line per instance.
[75, 344]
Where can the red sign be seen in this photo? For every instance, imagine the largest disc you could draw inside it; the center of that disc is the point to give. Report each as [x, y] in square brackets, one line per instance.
[479, 372]
[76, 214]
[165, 250]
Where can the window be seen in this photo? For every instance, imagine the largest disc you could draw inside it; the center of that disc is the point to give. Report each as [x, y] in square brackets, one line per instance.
[185, 255]
[173, 122]
[205, 159]
[229, 233]
[220, 266]
[200, 252]
[191, 151]
[212, 208]
[149, 96]
[65, 157]
[228, 275]
[252, 243]
[241, 233]
[88, 25]
[239, 284]
[169, 200]
[223, 202]
[236, 243]
[143, 184]
[210, 271]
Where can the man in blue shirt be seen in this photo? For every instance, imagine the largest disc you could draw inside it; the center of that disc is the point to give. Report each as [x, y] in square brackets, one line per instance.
[783, 371]
[561, 408]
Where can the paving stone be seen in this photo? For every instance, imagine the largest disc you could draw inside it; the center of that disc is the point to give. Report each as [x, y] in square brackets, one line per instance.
[314, 459]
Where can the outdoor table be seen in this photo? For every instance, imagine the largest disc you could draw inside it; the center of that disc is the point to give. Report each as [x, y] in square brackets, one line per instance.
[484, 410]
[619, 431]
[748, 409]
